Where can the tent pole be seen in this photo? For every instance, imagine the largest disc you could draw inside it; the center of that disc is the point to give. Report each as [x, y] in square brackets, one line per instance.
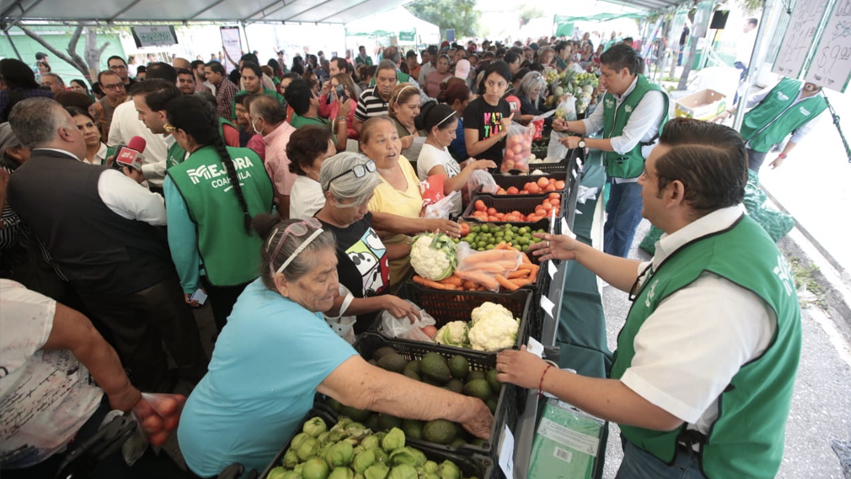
[245, 33]
[17, 53]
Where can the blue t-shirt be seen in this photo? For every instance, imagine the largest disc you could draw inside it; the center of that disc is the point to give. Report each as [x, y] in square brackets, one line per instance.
[268, 361]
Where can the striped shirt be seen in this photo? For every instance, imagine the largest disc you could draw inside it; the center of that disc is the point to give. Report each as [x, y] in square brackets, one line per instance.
[370, 104]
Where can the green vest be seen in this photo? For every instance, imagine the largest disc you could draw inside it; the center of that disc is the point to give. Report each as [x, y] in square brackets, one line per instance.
[266, 91]
[777, 115]
[176, 154]
[631, 164]
[230, 256]
[746, 441]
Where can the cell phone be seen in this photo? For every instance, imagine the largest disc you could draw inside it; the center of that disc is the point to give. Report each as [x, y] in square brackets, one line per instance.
[340, 92]
[199, 296]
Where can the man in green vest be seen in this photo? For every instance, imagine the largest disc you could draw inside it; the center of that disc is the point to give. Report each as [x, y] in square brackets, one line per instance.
[634, 111]
[790, 106]
[305, 105]
[702, 379]
[252, 80]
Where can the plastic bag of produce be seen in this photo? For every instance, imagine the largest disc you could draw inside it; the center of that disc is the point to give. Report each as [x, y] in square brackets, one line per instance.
[488, 268]
[518, 148]
[432, 189]
[566, 109]
[441, 209]
[403, 328]
[555, 150]
[159, 415]
[479, 178]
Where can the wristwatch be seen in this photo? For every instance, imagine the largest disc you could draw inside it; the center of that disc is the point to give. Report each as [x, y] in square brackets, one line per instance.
[581, 143]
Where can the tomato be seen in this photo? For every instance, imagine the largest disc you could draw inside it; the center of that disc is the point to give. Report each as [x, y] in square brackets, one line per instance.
[550, 187]
[534, 189]
[555, 201]
[548, 206]
[560, 185]
[542, 182]
[493, 218]
[554, 195]
[152, 424]
[480, 205]
[430, 331]
[492, 211]
[159, 438]
[465, 229]
[512, 190]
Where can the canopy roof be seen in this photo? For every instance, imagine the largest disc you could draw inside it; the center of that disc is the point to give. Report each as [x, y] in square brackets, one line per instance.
[249, 11]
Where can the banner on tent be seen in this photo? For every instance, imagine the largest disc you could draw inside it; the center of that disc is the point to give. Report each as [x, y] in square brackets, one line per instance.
[831, 64]
[799, 38]
[232, 43]
[407, 36]
[154, 36]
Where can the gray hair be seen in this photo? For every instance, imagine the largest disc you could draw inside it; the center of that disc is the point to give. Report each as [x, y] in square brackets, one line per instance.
[58, 78]
[347, 187]
[271, 228]
[529, 83]
[35, 121]
[392, 53]
[385, 65]
[8, 140]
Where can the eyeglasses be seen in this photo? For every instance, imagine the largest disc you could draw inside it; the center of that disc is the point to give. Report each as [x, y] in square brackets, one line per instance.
[168, 128]
[114, 86]
[359, 170]
[297, 229]
[118, 67]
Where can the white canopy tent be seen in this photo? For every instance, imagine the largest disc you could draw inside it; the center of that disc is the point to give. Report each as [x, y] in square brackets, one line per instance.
[392, 22]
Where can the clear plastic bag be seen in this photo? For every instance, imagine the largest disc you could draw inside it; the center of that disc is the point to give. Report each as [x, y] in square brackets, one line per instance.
[441, 209]
[478, 178]
[432, 189]
[403, 328]
[159, 415]
[482, 268]
[566, 109]
[518, 148]
[555, 150]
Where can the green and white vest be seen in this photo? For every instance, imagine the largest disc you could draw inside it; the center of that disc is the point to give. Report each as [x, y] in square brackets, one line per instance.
[176, 154]
[615, 119]
[746, 440]
[778, 115]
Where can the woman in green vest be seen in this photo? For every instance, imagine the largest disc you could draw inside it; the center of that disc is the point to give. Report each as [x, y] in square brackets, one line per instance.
[211, 198]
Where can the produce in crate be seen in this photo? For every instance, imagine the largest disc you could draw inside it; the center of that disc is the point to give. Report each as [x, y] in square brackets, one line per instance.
[349, 450]
[433, 256]
[494, 269]
[492, 327]
[552, 202]
[541, 185]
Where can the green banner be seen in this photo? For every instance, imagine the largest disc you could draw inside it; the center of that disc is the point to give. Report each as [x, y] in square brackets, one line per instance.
[564, 29]
[407, 36]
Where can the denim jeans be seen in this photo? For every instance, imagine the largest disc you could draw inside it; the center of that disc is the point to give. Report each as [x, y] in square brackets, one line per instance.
[624, 214]
[639, 464]
[755, 160]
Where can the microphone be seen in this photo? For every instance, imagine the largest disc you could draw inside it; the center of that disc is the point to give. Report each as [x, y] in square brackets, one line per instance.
[131, 155]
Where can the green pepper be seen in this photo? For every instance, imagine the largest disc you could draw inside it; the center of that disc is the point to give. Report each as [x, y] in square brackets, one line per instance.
[363, 461]
[340, 454]
[393, 440]
[315, 468]
[376, 471]
[314, 427]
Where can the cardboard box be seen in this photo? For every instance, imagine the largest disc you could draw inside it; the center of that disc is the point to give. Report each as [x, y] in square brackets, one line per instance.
[701, 105]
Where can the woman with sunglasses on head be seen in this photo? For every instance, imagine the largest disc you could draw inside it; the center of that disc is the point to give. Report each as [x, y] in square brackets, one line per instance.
[441, 121]
[397, 204]
[277, 352]
[211, 198]
[348, 181]
[404, 106]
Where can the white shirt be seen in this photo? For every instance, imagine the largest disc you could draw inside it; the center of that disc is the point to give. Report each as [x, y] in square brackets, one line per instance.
[100, 156]
[697, 339]
[126, 198]
[306, 198]
[642, 126]
[125, 125]
[431, 157]
[45, 396]
[803, 130]
[745, 47]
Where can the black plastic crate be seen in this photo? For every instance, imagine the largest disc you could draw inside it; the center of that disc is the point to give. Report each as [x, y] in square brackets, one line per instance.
[510, 401]
[525, 204]
[471, 465]
[518, 181]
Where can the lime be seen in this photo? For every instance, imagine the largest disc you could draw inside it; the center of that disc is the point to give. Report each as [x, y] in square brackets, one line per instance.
[489, 247]
[523, 240]
[515, 228]
[476, 229]
[482, 244]
[524, 248]
[523, 230]
[485, 228]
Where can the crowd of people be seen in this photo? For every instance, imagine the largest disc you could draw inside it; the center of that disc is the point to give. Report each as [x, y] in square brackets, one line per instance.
[287, 196]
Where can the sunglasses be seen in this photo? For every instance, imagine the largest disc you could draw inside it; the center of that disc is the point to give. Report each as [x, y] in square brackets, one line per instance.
[359, 171]
[296, 229]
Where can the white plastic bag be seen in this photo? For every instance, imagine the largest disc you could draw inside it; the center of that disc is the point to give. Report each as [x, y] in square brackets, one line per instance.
[478, 178]
[555, 150]
[344, 326]
[566, 109]
[441, 209]
[403, 328]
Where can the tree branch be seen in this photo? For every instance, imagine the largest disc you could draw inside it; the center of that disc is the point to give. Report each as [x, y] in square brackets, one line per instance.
[102, 48]
[75, 62]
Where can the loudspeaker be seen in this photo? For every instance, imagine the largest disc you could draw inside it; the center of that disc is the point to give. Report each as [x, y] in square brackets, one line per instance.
[719, 19]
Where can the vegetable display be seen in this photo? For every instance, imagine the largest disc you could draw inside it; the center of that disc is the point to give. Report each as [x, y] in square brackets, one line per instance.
[492, 327]
[481, 212]
[350, 450]
[433, 256]
[542, 185]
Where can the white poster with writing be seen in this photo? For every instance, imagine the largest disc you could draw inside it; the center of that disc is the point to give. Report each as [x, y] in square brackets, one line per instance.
[799, 37]
[232, 43]
[831, 63]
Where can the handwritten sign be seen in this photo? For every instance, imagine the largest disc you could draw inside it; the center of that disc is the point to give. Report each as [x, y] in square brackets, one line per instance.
[151, 36]
[831, 63]
[799, 37]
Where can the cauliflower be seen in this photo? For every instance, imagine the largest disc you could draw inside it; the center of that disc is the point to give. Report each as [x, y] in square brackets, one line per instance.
[452, 334]
[494, 333]
[433, 256]
[489, 309]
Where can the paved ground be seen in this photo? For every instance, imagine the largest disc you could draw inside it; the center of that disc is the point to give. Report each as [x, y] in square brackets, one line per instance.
[821, 406]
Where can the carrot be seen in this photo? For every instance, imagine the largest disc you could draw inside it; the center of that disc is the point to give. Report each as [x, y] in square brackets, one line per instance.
[492, 255]
[451, 280]
[469, 285]
[431, 284]
[503, 245]
[526, 259]
[505, 283]
[522, 282]
[530, 267]
[479, 278]
[520, 273]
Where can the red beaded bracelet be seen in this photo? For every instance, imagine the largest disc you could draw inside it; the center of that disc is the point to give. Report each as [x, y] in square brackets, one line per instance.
[541, 383]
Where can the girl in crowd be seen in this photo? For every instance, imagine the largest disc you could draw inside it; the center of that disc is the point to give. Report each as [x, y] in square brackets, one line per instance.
[487, 118]
[404, 106]
[329, 106]
[248, 138]
[440, 121]
[211, 198]
[435, 78]
[96, 150]
[79, 86]
[457, 95]
[307, 149]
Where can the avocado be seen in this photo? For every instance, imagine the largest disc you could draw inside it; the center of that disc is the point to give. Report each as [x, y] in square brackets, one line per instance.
[333, 404]
[381, 352]
[492, 402]
[411, 374]
[440, 431]
[392, 362]
[459, 366]
[495, 385]
[475, 375]
[359, 415]
[479, 442]
[412, 428]
[478, 388]
[455, 385]
[435, 368]
[387, 422]
[458, 442]
[415, 366]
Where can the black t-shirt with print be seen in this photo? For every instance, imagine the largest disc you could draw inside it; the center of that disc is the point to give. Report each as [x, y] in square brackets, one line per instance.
[486, 118]
[361, 263]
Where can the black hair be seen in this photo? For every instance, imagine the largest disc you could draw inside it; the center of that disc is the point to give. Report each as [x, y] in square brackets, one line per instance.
[158, 93]
[249, 57]
[500, 68]
[561, 46]
[40, 56]
[253, 67]
[116, 57]
[184, 71]
[77, 111]
[276, 67]
[500, 52]
[342, 64]
[411, 54]
[208, 97]
[80, 82]
[141, 69]
[753, 21]
[198, 119]
[520, 74]
[434, 114]
[16, 74]
[163, 71]
[622, 56]
[536, 67]
[216, 67]
[106, 72]
[96, 88]
[306, 145]
[298, 95]
[197, 63]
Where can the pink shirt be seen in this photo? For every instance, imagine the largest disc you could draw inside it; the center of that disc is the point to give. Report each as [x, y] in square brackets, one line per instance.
[330, 109]
[277, 163]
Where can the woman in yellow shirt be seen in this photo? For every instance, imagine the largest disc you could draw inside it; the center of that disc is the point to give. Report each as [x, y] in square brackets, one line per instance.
[396, 204]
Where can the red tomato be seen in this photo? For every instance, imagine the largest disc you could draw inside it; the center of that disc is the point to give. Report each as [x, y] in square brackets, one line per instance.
[550, 187]
[512, 190]
[171, 422]
[465, 229]
[152, 424]
[542, 182]
[159, 438]
[560, 185]
[492, 211]
[480, 205]
[430, 331]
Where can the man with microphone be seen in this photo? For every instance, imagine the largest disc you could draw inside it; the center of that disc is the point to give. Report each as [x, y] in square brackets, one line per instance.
[103, 231]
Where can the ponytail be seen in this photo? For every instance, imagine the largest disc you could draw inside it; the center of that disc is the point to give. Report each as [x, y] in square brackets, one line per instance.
[221, 148]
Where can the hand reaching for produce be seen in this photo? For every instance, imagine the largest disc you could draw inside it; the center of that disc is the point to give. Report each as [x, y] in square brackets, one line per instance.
[480, 164]
[505, 123]
[478, 419]
[400, 308]
[407, 141]
[554, 247]
[520, 367]
[440, 225]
